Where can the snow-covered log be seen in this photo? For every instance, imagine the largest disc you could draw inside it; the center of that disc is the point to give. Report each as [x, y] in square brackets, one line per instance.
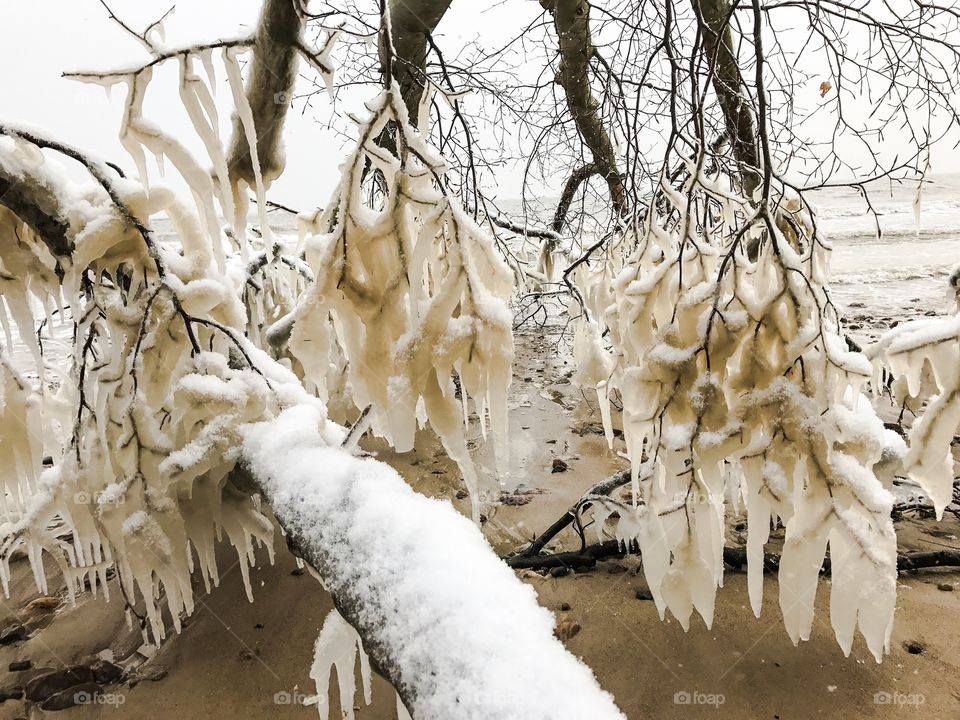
[445, 620]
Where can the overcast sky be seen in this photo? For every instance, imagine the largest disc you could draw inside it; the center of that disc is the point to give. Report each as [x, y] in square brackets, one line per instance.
[40, 39]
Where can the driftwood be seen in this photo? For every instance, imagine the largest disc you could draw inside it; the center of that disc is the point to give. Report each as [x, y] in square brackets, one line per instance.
[734, 558]
[532, 557]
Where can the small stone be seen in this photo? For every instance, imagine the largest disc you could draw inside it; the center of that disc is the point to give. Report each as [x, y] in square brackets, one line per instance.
[83, 694]
[15, 632]
[559, 466]
[643, 594]
[566, 628]
[44, 603]
[946, 587]
[13, 693]
[564, 606]
[559, 571]
[297, 571]
[48, 684]
[106, 672]
[19, 665]
[461, 494]
[154, 673]
[515, 499]
[258, 626]
[915, 647]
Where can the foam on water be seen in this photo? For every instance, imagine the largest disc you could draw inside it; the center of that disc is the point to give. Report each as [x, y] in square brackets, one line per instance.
[904, 271]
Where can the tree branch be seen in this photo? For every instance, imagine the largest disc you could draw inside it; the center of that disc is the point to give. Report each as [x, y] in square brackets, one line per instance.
[572, 23]
[412, 22]
[273, 72]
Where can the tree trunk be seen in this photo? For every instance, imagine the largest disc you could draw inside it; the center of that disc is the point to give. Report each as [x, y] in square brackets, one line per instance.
[411, 24]
[270, 80]
[714, 17]
[571, 19]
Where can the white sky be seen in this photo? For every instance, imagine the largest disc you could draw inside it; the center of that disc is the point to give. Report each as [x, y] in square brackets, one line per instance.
[39, 39]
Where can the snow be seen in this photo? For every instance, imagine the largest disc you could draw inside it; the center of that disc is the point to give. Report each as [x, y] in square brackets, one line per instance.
[447, 641]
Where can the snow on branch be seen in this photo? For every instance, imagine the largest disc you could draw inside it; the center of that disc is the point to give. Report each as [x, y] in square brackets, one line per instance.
[378, 545]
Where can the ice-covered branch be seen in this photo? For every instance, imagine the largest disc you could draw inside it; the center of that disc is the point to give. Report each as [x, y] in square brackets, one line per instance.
[923, 357]
[412, 293]
[146, 444]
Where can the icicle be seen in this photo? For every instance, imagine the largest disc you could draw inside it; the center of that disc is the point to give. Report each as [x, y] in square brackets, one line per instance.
[337, 647]
[246, 121]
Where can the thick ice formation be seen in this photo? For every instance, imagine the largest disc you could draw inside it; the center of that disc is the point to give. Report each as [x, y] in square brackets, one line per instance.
[413, 294]
[923, 358]
[337, 647]
[735, 382]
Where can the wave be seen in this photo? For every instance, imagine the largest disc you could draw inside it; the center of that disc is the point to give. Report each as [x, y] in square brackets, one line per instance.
[883, 275]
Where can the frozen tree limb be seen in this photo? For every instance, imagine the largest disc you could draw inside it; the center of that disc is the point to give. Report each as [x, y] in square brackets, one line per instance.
[272, 74]
[602, 488]
[572, 22]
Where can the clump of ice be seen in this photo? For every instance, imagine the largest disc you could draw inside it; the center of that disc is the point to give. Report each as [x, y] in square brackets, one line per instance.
[736, 380]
